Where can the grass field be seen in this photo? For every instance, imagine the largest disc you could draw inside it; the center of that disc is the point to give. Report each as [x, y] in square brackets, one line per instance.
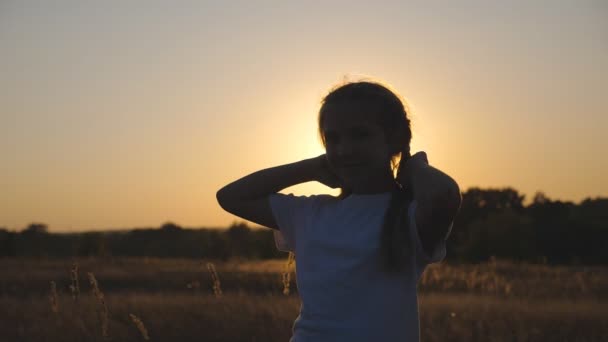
[174, 300]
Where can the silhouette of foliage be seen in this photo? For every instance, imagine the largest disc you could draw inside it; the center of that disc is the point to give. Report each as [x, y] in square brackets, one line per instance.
[491, 223]
[170, 227]
[36, 228]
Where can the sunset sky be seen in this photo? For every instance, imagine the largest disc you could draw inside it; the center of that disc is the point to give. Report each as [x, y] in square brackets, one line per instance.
[118, 115]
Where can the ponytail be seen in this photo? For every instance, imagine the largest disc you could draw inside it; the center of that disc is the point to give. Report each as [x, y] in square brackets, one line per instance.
[395, 245]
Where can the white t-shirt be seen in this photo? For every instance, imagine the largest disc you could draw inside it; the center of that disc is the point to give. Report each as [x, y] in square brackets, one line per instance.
[345, 295]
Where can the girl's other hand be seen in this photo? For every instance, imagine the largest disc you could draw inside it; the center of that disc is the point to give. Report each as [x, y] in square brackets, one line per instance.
[407, 168]
[324, 174]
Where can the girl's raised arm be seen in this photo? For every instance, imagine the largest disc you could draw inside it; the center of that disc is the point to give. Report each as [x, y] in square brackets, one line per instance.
[437, 195]
[248, 197]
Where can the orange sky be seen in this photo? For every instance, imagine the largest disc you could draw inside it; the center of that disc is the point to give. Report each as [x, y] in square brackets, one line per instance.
[120, 116]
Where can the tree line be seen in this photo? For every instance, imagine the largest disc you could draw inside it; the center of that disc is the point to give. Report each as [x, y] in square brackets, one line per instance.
[491, 223]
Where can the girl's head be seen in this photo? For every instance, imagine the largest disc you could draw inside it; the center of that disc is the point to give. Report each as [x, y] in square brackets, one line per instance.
[365, 130]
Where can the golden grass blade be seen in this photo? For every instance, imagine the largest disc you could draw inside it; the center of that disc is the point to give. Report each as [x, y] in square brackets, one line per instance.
[75, 286]
[140, 326]
[217, 289]
[103, 308]
[287, 272]
[53, 298]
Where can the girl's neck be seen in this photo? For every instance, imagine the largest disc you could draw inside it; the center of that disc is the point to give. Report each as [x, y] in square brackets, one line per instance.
[387, 184]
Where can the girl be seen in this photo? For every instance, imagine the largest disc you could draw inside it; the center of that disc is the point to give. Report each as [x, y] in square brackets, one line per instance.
[359, 255]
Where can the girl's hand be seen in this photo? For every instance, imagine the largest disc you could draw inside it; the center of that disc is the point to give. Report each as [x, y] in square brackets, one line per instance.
[409, 168]
[416, 174]
[324, 174]
[436, 193]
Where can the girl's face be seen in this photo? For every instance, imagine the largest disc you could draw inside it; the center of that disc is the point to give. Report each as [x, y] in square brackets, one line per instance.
[357, 151]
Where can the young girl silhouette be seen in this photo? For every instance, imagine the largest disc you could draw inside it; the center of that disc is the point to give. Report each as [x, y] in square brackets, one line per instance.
[359, 255]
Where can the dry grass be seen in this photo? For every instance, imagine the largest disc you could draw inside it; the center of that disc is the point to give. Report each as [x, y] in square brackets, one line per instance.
[54, 298]
[286, 275]
[217, 287]
[75, 286]
[140, 326]
[102, 308]
[446, 317]
[242, 317]
[457, 303]
[510, 280]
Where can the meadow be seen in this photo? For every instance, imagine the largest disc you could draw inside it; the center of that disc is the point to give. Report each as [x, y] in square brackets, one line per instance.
[137, 299]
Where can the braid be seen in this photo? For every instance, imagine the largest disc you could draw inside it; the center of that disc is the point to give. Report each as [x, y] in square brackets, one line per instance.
[395, 234]
[405, 156]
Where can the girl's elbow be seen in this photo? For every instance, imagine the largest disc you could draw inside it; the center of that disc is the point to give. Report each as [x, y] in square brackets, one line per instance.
[223, 197]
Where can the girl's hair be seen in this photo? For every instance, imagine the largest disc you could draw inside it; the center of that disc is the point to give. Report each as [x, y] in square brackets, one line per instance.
[391, 115]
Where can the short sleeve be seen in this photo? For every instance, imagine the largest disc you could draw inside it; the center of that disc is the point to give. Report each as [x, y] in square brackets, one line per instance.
[291, 213]
[439, 250]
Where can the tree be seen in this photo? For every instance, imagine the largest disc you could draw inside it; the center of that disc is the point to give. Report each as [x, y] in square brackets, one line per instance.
[36, 228]
[170, 226]
[505, 234]
[7, 242]
[239, 237]
[477, 204]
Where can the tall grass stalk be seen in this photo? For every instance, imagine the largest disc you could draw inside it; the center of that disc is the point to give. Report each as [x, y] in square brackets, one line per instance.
[75, 286]
[287, 272]
[140, 326]
[217, 289]
[103, 308]
[53, 298]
